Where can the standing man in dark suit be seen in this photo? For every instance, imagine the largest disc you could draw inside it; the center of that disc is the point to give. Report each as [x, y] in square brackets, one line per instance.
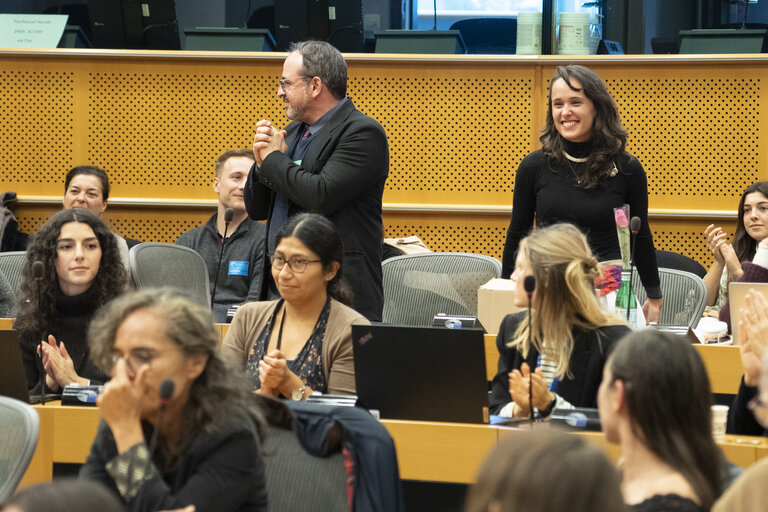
[332, 159]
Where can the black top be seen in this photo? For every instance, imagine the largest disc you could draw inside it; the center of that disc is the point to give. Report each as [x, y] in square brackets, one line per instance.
[220, 471]
[341, 176]
[667, 503]
[741, 421]
[590, 351]
[68, 324]
[547, 191]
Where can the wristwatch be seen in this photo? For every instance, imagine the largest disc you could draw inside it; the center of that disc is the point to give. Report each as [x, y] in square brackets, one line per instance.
[548, 410]
[298, 394]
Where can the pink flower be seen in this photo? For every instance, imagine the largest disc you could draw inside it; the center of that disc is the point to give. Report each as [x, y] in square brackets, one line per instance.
[621, 218]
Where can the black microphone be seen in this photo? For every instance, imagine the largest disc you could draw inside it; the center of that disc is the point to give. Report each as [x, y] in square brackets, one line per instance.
[529, 284]
[166, 392]
[37, 273]
[229, 214]
[634, 228]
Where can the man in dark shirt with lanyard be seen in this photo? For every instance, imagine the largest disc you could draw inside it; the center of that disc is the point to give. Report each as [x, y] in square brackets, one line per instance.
[332, 160]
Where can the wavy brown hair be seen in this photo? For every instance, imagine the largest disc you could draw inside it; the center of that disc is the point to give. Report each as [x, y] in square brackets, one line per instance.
[565, 269]
[110, 281]
[609, 138]
[744, 245]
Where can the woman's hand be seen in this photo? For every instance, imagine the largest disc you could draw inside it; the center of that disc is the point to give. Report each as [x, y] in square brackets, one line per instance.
[652, 310]
[59, 368]
[273, 370]
[732, 262]
[120, 405]
[715, 239]
[753, 336]
[518, 390]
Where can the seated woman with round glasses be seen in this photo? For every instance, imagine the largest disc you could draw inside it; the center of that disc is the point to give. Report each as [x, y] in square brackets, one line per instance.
[301, 343]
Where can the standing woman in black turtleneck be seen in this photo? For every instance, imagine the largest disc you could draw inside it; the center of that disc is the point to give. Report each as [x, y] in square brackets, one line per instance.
[581, 174]
[82, 271]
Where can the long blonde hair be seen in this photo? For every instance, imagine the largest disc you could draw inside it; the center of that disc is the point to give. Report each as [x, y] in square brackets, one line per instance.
[565, 296]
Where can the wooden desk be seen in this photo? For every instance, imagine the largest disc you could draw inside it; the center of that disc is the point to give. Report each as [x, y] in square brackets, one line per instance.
[429, 451]
[723, 364]
[6, 323]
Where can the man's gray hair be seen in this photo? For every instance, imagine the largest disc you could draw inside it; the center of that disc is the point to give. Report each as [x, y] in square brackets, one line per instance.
[323, 60]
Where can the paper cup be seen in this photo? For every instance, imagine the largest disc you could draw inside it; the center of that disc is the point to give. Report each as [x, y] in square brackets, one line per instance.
[719, 419]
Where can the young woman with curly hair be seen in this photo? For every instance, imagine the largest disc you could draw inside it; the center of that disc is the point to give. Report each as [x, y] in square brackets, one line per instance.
[82, 270]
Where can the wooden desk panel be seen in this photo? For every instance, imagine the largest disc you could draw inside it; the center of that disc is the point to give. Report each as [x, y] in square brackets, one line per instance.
[723, 364]
[440, 452]
[6, 323]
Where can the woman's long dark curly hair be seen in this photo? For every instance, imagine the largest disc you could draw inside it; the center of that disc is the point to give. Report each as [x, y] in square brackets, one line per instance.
[609, 138]
[744, 245]
[34, 312]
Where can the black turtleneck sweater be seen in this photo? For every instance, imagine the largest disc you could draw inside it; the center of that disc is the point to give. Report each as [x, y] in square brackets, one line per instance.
[68, 324]
[547, 192]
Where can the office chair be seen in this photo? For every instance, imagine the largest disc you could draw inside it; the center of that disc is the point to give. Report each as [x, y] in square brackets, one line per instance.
[488, 35]
[669, 259]
[419, 286]
[11, 266]
[685, 296]
[19, 424]
[157, 264]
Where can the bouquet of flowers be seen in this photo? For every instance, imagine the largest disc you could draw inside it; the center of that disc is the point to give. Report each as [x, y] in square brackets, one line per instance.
[622, 230]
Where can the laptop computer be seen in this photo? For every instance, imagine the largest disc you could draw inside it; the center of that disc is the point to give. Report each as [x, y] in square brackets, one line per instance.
[13, 381]
[737, 293]
[421, 373]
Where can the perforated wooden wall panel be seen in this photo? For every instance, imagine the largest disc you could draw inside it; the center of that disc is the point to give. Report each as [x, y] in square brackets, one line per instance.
[143, 224]
[457, 130]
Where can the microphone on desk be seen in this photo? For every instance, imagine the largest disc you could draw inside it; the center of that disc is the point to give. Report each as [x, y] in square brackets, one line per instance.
[634, 229]
[229, 214]
[166, 392]
[529, 285]
[37, 274]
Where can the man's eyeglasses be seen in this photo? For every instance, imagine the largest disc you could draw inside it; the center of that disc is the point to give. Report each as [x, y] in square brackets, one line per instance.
[285, 84]
[297, 265]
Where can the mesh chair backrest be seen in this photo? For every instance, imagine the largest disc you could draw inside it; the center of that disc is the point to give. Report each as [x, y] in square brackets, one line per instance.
[157, 264]
[685, 296]
[419, 286]
[297, 480]
[11, 265]
[19, 425]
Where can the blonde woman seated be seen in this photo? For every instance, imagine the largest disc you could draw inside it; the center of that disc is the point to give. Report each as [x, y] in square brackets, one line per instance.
[301, 343]
[570, 334]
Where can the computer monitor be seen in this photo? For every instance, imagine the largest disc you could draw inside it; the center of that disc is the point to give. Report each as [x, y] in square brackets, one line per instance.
[340, 22]
[134, 24]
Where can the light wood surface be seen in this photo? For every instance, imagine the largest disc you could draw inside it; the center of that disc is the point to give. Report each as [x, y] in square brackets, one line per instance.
[429, 451]
[723, 364]
[6, 323]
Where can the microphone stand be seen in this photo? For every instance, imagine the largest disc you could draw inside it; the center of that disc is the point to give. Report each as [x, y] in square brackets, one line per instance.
[529, 283]
[634, 227]
[229, 213]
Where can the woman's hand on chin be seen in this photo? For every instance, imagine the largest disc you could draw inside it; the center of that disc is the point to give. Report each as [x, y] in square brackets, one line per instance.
[120, 405]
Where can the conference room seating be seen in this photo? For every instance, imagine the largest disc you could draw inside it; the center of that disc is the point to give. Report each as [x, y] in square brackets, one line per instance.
[677, 261]
[19, 424]
[419, 286]
[488, 35]
[685, 296]
[11, 265]
[297, 480]
[155, 264]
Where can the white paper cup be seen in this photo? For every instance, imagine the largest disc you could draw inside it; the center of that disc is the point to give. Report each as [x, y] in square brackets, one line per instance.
[719, 419]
